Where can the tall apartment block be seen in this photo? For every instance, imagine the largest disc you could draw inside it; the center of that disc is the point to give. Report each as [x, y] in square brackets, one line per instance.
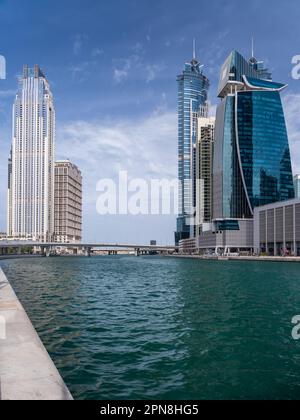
[68, 202]
[31, 162]
[204, 172]
[193, 88]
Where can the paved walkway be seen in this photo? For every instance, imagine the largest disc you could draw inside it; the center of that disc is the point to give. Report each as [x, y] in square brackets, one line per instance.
[26, 369]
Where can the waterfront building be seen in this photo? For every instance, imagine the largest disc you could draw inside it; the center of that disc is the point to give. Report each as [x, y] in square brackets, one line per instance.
[188, 246]
[297, 186]
[193, 88]
[68, 202]
[277, 228]
[252, 165]
[31, 162]
[204, 173]
[9, 195]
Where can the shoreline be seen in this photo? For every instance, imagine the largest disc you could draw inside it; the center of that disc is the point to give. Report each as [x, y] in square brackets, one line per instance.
[241, 258]
[27, 372]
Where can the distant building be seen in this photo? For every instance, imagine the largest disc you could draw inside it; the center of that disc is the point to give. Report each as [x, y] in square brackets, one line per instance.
[204, 172]
[9, 195]
[153, 243]
[297, 186]
[68, 202]
[193, 88]
[31, 163]
[3, 236]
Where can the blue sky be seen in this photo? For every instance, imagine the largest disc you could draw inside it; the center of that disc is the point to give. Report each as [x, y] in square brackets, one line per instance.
[112, 66]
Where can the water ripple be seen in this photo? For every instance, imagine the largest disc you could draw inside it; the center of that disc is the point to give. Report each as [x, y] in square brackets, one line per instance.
[154, 328]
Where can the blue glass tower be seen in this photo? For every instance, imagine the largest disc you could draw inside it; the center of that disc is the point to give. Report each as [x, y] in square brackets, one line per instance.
[252, 164]
[192, 102]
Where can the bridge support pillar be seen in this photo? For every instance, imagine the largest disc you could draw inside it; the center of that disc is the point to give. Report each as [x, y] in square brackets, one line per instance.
[87, 252]
[47, 251]
[137, 252]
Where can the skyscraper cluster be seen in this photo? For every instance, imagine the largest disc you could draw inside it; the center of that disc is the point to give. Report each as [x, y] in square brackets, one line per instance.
[41, 204]
[192, 105]
[242, 159]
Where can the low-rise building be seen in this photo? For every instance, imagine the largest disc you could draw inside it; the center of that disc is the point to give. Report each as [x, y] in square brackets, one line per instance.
[277, 228]
[188, 246]
[226, 236]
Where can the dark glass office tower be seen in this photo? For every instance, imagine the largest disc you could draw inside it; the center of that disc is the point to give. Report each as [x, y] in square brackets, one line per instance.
[252, 164]
[192, 102]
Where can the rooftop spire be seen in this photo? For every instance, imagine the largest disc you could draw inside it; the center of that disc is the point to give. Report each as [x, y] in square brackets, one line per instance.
[252, 48]
[194, 49]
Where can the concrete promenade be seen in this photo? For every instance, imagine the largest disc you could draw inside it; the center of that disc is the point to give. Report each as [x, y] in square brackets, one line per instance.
[26, 369]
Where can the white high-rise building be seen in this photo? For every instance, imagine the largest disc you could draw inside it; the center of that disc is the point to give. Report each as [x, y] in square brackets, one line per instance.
[31, 163]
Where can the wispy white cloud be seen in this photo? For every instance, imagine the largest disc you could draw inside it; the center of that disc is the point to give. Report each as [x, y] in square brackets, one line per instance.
[80, 72]
[97, 52]
[121, 74]
[153, 70]
[138, 48]
[78, 42]
[214, 54]
[145, 148]
[124, 66]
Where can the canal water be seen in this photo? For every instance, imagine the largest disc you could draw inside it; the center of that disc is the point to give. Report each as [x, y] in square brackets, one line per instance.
[164, 328]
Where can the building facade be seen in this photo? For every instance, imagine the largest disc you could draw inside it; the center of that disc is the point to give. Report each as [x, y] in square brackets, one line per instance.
[227, 236]
[204, 172]
[193, 89]
[277, 228]
[68, 202]
[297, 186]
[252, 164]
[31, 163]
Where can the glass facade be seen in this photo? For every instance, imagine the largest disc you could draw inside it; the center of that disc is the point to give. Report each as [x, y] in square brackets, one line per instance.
[192, 101]
[234, 197]
[264, 148]
[235, 67]
[297, 186]
[252, 164]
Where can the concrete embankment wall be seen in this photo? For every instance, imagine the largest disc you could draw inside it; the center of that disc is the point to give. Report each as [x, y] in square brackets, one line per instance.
[26, 369]
[242, 258]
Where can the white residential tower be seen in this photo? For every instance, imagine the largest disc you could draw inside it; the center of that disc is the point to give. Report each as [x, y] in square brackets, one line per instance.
[31, 163]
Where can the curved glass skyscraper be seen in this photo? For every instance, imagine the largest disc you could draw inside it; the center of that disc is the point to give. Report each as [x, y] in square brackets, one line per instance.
[252, 164]
[192, 102]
